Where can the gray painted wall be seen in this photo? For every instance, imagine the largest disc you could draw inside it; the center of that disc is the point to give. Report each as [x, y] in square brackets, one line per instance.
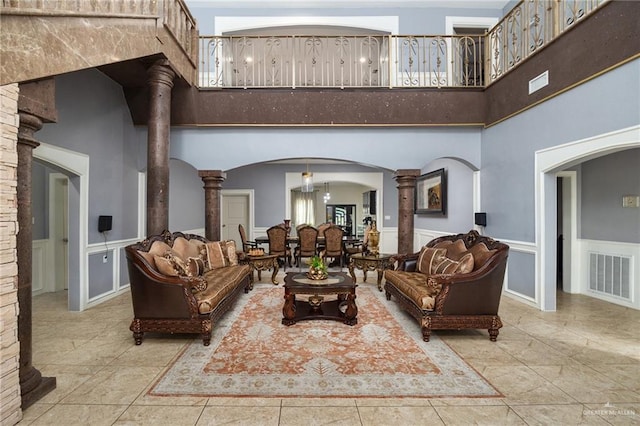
[459, 211]
[607, 103]
[93, 119]
[603, 183]
[186, 197]
[388, 148]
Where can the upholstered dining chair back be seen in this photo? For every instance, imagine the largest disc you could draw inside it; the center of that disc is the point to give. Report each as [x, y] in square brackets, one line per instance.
[246, 244]
[333, 246]
[278, 244]
[307, 243]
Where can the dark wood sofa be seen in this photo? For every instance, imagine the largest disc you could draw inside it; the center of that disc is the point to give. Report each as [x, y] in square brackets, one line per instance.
[468, 297]
[174, 289]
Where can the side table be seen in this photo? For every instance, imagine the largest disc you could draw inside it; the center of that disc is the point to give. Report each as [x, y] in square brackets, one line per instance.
[371, 262]
[263, 263]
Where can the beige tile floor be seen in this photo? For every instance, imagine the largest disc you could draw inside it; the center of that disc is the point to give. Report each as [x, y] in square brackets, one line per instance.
[579, 365]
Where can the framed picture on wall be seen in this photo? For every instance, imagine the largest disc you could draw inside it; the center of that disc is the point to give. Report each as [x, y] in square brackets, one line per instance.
[431, 193]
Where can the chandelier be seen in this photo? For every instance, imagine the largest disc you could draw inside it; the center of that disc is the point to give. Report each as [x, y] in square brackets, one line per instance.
[307, 181]
[327, 194]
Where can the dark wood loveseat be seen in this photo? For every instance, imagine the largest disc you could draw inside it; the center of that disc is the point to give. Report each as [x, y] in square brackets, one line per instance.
[452, 300]
[166, 300]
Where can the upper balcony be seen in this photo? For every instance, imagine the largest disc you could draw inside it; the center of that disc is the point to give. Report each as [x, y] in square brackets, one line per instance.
[387, 61]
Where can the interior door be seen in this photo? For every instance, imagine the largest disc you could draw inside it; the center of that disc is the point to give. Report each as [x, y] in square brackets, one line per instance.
[235, 211]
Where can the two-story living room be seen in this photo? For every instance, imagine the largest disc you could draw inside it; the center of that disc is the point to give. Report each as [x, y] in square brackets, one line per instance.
[123, 119]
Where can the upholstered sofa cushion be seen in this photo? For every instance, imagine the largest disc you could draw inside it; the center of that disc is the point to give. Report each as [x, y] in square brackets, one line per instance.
[421, 288]
[220, 283]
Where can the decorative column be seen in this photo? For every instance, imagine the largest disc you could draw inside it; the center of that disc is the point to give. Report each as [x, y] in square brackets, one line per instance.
[32, 385]
[406, 179]
[212, 185]
[160, 81]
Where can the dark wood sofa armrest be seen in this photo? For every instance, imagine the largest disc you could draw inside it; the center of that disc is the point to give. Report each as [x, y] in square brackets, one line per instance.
[470, 294]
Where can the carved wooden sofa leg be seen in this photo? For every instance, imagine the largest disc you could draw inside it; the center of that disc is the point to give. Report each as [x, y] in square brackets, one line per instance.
[137, 331]
[496, 324]
[206, 332]
[425, 323]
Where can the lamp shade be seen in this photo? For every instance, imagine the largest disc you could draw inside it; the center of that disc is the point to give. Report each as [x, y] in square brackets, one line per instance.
[307, 182]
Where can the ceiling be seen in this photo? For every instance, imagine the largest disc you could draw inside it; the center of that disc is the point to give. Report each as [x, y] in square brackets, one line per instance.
[330, 4]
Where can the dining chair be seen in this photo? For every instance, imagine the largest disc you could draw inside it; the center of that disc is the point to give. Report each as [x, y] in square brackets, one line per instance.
[307, 243]
[333, 246]
[246, 244]
[359, 246]
[278, 244]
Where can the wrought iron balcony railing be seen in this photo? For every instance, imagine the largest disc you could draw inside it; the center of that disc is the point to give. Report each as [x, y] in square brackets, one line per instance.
[341, 61]
[389, 60]
[529, 27]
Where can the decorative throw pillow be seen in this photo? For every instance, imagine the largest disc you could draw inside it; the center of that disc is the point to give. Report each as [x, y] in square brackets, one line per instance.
[450, 266]
[176, 261]
[456, 250]
[429, 259]
[165, 266]
[185, 248]
[232, 254]
[159, 248]
[215, 255]
[481, 254]
[195, 266]
[149, 257]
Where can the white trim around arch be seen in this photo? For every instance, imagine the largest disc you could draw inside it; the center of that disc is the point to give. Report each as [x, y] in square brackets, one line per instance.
[78, 164]
[547, 163]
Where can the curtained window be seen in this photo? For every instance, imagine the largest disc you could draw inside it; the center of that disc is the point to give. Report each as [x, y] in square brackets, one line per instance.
[303, 207]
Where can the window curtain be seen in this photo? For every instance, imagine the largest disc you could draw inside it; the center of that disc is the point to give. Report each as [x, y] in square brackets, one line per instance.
[303, 208]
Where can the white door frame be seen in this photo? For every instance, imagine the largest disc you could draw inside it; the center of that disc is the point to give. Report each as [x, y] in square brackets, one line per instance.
[573, 285]
[77, 164]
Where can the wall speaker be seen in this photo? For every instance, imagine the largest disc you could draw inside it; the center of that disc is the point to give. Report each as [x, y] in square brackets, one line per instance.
[104, 223]
[481, 219]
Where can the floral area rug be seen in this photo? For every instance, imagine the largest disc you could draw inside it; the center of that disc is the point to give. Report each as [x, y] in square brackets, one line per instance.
[252, 354]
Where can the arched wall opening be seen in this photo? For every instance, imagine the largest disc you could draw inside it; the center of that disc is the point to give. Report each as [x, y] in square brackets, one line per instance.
[548, 163]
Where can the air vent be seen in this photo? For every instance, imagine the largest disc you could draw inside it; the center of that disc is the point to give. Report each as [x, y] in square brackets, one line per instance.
[610, 274]
[538, 82]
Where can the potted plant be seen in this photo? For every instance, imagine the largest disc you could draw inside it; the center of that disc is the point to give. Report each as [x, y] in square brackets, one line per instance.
[317, 269]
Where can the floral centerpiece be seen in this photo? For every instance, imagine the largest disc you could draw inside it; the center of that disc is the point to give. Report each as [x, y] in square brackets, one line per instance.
[317, 269]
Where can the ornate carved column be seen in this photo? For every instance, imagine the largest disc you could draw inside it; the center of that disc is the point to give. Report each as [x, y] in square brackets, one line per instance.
[212, 185]
[406, 179]
[32, 385]
[160, 81]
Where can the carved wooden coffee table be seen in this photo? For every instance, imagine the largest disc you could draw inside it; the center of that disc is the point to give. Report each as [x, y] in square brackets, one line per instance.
[338, 284]
[263, 263]
[371, 262]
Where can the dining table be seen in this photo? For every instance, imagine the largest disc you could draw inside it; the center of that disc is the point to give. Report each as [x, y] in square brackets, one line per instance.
[293, 239]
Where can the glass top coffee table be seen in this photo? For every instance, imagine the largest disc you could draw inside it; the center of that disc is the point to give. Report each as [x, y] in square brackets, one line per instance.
[341, 308]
